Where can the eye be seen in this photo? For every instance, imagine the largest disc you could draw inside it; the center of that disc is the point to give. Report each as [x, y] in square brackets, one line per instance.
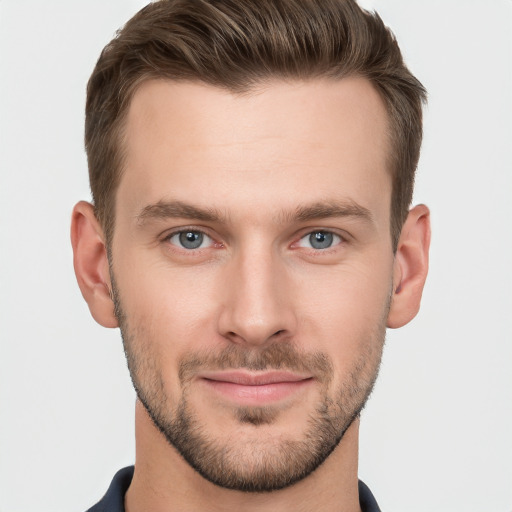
[319, 240]
[190, 239]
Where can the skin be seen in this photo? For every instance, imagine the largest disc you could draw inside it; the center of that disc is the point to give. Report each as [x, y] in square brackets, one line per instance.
[318, 147]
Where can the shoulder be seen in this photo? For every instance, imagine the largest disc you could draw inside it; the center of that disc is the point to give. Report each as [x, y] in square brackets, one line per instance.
[366, 499]
[113, 501]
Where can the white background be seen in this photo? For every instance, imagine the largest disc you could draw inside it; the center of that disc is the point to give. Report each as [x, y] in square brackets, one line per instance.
[437, 433]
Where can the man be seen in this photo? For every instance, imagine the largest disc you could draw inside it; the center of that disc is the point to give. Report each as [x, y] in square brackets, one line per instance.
[252, 166]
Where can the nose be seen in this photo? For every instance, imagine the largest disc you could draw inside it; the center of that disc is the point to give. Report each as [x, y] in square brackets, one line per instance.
[257, 306]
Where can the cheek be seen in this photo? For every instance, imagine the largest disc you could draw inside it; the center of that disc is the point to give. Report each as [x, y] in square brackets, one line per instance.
[164, 325]
[346, 313]
[171, 305]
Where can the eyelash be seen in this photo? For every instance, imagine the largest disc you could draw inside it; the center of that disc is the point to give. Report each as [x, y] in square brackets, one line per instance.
[340, 240]
[185, 230]
[336, 239]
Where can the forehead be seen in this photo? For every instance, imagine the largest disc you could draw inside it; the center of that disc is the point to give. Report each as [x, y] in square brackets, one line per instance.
[283, 142]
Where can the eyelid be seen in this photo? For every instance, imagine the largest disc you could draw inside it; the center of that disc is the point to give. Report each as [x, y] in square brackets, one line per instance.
[166, 237]
[343, 238]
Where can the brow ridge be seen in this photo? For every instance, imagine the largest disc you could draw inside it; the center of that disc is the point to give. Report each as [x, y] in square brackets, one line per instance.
[303, 213]
[179, 209]
[327, 209]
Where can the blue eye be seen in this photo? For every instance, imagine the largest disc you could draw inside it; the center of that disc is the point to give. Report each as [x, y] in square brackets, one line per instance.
[320, 240]
[190, 239]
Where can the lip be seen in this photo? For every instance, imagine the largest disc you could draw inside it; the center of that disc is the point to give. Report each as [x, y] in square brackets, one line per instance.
[258, 388]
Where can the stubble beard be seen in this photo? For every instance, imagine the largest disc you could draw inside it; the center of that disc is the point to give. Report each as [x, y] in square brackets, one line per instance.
[258, 464]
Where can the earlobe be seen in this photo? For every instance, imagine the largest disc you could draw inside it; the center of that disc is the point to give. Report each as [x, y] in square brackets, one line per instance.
[91, 264]
[410, 267]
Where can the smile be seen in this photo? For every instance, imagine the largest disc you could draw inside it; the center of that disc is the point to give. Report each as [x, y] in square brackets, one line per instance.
[255, 388]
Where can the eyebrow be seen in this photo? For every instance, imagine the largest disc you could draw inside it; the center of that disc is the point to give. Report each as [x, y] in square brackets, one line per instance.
[327, 209]
[178, 209]
[319, 210]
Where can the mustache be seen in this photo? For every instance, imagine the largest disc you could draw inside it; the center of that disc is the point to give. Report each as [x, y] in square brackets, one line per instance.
[277, 356]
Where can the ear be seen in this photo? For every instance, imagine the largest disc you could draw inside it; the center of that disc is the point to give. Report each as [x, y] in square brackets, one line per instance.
[410, 267]
[91, 264]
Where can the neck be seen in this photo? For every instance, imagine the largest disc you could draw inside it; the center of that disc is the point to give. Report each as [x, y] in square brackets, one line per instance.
[164, 482]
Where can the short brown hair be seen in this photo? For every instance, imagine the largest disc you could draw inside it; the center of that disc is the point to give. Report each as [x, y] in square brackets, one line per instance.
[236, 44]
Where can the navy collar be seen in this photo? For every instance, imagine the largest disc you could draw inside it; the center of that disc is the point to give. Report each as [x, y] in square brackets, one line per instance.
[113, 501]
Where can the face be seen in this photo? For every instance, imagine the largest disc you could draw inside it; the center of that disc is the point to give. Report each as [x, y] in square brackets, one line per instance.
[252, 270]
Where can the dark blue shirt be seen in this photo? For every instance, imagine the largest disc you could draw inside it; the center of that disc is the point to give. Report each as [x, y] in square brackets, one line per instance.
[113, 501]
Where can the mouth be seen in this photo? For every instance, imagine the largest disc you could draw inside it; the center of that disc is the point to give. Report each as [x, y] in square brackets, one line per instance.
[255, 388]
